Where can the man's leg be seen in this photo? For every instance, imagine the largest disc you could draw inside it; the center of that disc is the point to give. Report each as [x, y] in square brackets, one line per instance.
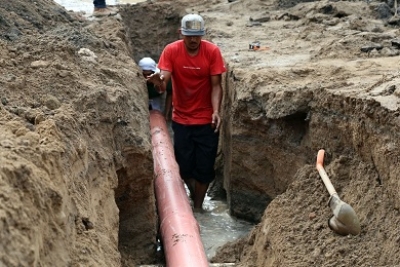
[99, 4]
[200, 191]
[101, 9]
[184, 154]
[206, 147]
[191, 185]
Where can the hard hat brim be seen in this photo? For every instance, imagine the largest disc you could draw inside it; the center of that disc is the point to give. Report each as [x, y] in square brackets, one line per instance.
[187, 32]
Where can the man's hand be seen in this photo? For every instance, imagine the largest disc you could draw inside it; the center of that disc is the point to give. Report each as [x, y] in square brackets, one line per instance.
[157, 80]
[215, 121]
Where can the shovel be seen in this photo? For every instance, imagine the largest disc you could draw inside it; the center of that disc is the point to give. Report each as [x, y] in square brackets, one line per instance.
[344, 220]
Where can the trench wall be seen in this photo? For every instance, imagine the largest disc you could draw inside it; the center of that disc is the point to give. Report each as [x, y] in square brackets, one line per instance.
[269, 135]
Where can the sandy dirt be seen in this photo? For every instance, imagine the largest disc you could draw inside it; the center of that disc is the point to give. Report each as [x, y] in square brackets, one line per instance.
[318, 81]
[75, 153]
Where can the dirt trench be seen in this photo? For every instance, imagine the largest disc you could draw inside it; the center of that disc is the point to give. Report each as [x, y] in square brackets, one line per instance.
[277, 117]
[76, 156]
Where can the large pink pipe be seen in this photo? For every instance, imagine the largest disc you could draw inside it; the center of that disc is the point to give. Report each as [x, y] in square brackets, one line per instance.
[180, 231]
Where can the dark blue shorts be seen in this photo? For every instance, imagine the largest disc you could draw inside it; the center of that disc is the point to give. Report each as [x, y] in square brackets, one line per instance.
[195, 151]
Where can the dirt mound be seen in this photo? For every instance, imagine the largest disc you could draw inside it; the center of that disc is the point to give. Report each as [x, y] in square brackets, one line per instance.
[24, 17]
[313, 87]
[74, 124]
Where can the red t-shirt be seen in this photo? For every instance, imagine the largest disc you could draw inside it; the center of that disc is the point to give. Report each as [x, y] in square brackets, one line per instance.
[191, 80]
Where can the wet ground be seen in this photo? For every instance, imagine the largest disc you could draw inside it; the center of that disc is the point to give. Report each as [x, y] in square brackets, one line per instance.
[217, 227]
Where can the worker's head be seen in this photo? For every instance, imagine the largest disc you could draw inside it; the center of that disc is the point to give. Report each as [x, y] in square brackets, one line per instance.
[192, 30]
[192, 25]
[148, 66]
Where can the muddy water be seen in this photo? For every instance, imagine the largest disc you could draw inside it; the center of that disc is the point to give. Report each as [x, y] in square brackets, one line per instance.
[216, 225]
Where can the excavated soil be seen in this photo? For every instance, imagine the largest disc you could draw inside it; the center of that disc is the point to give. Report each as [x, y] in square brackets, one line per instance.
[76, 183]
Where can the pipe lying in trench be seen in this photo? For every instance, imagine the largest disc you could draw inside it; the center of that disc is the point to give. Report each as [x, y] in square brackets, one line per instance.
[180, 231]
[344, 220]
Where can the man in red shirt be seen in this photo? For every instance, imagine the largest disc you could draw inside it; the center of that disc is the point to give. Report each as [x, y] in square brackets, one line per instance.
[195, 66]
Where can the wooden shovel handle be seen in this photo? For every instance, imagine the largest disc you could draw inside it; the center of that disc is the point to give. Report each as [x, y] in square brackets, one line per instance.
[322, 173]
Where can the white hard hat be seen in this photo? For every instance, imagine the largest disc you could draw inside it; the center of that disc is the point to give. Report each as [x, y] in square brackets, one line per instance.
[148, 63]
[192, 25]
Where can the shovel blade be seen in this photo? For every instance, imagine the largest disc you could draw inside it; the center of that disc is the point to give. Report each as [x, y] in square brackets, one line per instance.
[344, 220]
